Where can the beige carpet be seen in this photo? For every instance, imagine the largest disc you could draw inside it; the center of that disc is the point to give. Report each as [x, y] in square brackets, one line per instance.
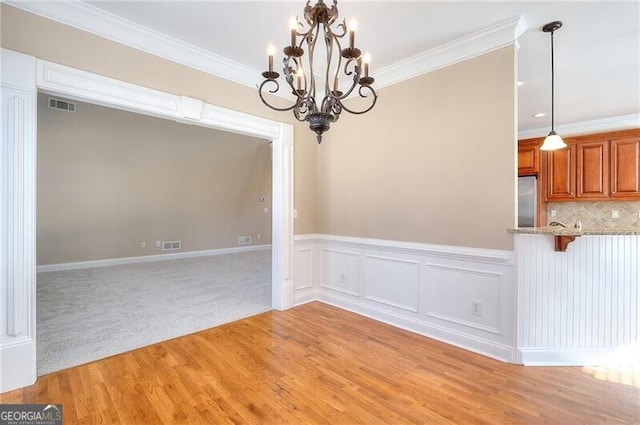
[85, 315]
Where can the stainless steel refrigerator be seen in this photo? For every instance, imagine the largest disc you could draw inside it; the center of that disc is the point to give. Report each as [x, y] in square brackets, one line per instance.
[527, 196]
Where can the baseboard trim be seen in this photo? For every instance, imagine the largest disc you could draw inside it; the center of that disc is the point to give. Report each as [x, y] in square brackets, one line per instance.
[305, 296]
[147, 258]
[468, 342]
[622, 356]
[17, 364]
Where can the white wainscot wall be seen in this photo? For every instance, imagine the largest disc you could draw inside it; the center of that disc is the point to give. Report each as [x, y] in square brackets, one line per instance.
[427, 289]
[579, 307]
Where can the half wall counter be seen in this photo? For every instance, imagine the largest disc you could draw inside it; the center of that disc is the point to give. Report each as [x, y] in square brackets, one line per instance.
[580, 305]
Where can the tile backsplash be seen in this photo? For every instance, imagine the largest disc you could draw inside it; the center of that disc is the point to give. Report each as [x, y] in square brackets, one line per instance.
[595, 214]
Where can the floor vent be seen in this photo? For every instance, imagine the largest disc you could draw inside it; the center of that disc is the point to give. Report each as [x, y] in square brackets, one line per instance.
[61, 105]
[171, 245]
[244, 240]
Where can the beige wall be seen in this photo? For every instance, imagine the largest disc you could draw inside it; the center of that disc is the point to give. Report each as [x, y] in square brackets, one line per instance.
[49, 40]
[109, 180]
[433, 162]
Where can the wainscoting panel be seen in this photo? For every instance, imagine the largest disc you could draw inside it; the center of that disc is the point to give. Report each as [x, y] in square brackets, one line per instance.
[392, 281]
[303, 268]
[340, 270]
[427, 289]
[453, 292]
[305, 260]
[579, 306]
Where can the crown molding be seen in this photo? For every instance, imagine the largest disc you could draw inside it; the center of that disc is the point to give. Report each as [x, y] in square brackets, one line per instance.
[107, 25]
[91, 19]
[622, 122]
[492, 38]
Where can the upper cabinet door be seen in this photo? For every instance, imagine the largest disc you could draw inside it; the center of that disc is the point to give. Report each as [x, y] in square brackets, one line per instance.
[561, 174]
[529, 157]
[625, 168]
[592, 170]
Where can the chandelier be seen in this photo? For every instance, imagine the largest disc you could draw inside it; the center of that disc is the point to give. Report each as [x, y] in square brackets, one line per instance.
[300, 75]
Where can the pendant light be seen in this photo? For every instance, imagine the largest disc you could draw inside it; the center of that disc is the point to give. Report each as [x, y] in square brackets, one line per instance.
[553, 141]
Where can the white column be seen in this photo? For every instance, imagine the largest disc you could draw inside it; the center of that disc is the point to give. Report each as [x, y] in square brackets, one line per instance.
[17, 232]
[282, 294]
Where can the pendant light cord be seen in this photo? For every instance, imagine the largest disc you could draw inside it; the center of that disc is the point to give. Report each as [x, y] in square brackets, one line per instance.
[553, 102]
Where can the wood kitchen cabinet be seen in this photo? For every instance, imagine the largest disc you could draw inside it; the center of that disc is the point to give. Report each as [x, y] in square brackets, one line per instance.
[592, 169]
[596, 167]
[625, 168]
[561, 174]
[529, 157]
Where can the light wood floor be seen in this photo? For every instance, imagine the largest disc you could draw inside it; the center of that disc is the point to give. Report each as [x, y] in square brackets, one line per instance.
[321, 365]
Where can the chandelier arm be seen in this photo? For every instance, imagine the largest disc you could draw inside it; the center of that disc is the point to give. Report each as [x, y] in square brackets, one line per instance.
[336, 76]
[329, 42]
[290, 77]
[334, 13]
[375, 99]
[356, 76]
[311, 42]
[341, 26]
[273, 91]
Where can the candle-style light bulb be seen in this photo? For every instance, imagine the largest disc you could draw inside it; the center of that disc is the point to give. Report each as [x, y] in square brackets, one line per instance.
[271, 50]
[299, 75]
[293, 25]
[366, 59]
[353, 25]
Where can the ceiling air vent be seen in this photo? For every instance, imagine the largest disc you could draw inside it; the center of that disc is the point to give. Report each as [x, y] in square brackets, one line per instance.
[61, 105]
[170, 245]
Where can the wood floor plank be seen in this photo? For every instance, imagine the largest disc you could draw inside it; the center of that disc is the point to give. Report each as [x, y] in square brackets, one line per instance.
[317, 364]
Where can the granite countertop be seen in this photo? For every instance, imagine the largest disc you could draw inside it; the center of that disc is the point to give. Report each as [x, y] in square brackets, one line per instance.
[571, 231]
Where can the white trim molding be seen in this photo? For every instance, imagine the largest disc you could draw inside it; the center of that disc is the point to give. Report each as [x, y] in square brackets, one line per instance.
[492, 38]
[22, 77]
[425, 288]
[17, 222]
[622, 122]
[96, 21]
[90, 264]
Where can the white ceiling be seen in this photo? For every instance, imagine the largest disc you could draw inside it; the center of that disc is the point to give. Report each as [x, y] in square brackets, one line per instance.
[597, 49]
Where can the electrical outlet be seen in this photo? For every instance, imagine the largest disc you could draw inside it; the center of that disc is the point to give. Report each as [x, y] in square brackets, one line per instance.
[258, 236]
[615, 214]
[143, 244]
[476, 307]
[158, 244]
[553, 213]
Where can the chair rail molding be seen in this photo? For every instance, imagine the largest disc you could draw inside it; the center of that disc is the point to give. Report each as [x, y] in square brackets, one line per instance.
[425, 288]
[22, 77]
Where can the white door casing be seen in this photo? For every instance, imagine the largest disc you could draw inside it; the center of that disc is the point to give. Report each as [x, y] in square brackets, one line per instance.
[22, 77]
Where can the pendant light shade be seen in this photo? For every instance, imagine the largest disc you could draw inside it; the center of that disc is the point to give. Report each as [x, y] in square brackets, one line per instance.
[553, 141]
